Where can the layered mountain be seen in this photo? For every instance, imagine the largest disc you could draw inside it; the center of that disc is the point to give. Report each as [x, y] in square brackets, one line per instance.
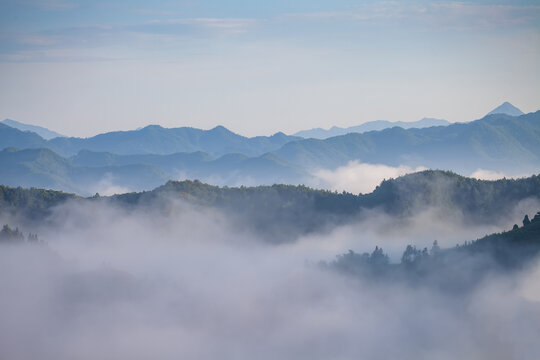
[496, 142]
[152, 139]
[46, 169]
[41, 131]
[377, 125]
[319, 133]
[12, 137]
[90, 172]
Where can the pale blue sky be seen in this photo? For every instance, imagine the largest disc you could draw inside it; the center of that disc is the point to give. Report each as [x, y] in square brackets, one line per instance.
[257, 67]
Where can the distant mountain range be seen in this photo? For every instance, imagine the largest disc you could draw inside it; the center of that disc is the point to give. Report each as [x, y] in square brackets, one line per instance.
[377, 125]
[497, 142]
[152, 139]
[502, 142]
[145, 158]
[319, 133]
[89, 172]
[41, 131]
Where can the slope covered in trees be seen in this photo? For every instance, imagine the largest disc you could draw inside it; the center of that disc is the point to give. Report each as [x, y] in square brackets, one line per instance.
[452, 270]
[284, 211]
[34, 204]
[477, 200]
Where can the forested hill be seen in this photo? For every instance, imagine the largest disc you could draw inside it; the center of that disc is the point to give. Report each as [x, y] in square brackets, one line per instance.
[477, 199]
[35, 204]
[299, 209]
[453, 270]
[284, 211]
[402, 195]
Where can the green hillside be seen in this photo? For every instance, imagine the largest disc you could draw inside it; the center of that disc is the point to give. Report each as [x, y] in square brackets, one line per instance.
[281, 212]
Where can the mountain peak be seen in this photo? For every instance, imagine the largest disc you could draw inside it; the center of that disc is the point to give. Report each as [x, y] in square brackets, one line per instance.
[220, 129]
[506, 108]
[151, 127]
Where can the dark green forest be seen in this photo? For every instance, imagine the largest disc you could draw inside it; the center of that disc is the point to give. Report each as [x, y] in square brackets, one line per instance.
[452, 269]
[281, 212]
[16, 237]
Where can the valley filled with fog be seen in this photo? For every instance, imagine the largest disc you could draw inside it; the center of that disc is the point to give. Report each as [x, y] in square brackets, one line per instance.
[337, 248]
[168, 278]
[269, 180]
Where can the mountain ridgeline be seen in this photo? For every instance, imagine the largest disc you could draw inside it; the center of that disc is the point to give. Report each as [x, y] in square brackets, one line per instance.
[143, 159]
[152, 139]
[90, 172]
[282, 212]
[497, 142]
[377, 125]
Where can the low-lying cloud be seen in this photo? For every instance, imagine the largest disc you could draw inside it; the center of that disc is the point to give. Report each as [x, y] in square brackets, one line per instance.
[177, 281]
[483, 174]
[107, 186]
[358, 177]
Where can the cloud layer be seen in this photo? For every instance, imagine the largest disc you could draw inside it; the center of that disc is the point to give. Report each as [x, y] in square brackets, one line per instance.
[182, 282]
[358, 177]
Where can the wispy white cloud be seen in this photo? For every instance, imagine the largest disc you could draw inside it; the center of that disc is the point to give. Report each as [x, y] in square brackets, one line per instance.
[450, 14]
[483, 174]
[358, 177]
[46, 45]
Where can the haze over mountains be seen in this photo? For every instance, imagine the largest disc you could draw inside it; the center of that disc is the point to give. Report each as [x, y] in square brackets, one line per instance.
[184, 235]
[498, 142]
[170, 251]
[152, 139]
[143, 159]
[319, 133]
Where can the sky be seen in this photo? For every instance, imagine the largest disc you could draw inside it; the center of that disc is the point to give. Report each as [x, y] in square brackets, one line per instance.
[258, 67]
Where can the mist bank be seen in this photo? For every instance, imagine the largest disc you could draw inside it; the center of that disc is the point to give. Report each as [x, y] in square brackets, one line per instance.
[105, 281]
[455, 269]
